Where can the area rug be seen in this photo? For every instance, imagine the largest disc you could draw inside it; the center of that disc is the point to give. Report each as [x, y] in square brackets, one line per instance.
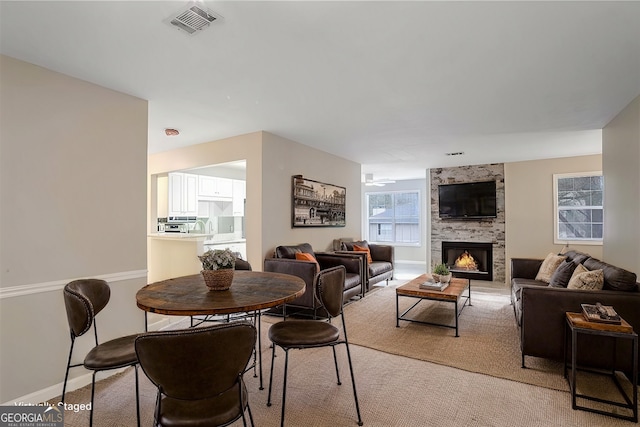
[488, 341]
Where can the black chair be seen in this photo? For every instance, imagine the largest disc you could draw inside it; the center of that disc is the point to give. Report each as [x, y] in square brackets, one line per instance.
[83, 300]
[303, 333]
[199, 373]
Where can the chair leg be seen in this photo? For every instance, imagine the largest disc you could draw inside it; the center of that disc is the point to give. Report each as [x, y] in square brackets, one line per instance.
[93, 392]
[284, 385]
[137, 396]
[66, 375]
[353, 382]
[273, 356]
[335, 360]
[250, 414]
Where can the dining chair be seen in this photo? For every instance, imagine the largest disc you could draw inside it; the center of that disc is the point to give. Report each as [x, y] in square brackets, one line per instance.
[199, 373]
[307, 333]
[83, 300]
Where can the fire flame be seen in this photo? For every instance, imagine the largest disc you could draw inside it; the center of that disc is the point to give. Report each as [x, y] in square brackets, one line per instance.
[466, 262]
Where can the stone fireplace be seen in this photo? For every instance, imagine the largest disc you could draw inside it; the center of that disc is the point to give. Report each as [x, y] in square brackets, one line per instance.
[469, 260]
[489, 231]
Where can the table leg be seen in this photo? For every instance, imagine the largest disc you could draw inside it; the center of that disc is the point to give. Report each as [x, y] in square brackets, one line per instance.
[574, 361]
[456, 313]
[634, 380]
[397, 312]
[260, 347]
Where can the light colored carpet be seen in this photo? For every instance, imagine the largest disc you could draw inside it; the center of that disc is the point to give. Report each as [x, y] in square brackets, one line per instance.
[488, 341]
[393, 390]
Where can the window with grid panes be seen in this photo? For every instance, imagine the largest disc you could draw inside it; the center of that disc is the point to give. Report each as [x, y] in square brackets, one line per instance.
[393, 217]
[578, 206]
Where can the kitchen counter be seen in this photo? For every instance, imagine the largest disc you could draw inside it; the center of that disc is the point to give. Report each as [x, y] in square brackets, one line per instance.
[180, 236]
[222, 242]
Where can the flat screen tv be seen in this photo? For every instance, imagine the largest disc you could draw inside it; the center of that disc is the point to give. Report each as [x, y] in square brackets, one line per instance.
[470, 200]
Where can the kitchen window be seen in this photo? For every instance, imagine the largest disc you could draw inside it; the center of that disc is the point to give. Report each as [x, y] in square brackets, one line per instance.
[393, 217]
[578, 208]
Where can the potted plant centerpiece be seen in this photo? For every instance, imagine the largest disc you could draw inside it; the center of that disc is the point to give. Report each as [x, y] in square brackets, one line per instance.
[441, 273]
[217, 268]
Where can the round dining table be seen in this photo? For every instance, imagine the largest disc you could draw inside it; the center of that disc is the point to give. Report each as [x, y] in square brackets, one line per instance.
[251, 292]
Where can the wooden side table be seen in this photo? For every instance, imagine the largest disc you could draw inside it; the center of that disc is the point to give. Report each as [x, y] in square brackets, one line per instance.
[577, 324]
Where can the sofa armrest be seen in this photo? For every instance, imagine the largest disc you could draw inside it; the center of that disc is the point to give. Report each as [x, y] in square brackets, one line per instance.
[525, 268]
[543, 315]
[381, 252]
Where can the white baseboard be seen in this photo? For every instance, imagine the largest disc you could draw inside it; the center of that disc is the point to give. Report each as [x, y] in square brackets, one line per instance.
[49, 393]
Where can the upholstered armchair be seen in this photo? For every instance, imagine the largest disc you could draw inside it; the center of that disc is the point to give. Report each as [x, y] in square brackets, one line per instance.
[377, 260]
[302, 261]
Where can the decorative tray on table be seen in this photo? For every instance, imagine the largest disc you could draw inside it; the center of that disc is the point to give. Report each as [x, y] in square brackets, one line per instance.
[600, 313]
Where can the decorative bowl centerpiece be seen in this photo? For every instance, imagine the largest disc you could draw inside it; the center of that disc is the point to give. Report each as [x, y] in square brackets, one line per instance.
[217, 268]
[441, 273]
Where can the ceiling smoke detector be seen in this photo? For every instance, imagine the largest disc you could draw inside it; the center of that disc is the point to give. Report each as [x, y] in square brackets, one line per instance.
[457, 153]
[192, 19]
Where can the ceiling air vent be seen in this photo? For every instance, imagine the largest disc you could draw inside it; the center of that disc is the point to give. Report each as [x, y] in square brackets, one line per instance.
[193, 19]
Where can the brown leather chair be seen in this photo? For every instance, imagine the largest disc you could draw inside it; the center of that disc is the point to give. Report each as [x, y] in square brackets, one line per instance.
[199, 373]
[302, 333]
[381, 266]
[83, 300]
[284, 261]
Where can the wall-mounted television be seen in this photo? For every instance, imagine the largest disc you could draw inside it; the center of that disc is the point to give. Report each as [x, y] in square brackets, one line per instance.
[470, 200]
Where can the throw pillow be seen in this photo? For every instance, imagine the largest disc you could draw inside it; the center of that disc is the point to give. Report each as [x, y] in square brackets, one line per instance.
[587, 280]
[302, 256]
[560, 278]
[549, 266]
[361, 249]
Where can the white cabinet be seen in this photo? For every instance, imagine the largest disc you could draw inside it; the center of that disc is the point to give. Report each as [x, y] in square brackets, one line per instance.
[213, 188]
[183, 194]
[239, 194]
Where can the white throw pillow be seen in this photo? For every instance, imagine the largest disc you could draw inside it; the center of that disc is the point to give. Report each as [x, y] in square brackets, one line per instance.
[586, 280]
[549, 266]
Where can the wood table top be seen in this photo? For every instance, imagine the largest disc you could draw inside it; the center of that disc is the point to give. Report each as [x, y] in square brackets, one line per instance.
[189, 296]
[451, 293]
[578, 321]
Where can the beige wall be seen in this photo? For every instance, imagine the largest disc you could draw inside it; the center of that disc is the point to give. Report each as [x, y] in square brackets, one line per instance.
[529, 206]
[621, 164]
[271, 162]
[72, 178]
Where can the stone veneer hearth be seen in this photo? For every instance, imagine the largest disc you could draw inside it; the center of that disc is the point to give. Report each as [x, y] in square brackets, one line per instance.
[478, 230]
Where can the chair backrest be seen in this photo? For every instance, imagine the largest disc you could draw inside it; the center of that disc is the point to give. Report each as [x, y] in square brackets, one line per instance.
[196, 363]
[330, 289]
[241, 264]
[290, 251]
[84, 299]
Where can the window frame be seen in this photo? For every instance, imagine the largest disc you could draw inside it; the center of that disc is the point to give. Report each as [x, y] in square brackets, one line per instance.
[556, 222]
[394, 242]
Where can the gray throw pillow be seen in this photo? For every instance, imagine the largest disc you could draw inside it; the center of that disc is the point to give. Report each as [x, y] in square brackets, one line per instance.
[560, 278]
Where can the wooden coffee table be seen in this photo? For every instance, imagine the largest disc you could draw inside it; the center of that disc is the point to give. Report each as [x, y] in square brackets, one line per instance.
[453, 294]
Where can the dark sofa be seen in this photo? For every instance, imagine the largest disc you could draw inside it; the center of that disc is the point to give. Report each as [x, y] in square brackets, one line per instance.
[540, 311]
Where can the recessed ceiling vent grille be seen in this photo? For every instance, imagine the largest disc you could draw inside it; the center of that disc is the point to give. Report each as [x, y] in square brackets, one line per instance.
[193, 19]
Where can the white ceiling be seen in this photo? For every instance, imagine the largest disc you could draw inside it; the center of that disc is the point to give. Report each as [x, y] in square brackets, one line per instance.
[391, 85]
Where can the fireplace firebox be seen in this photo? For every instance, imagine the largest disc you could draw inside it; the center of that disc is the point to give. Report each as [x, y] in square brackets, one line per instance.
[469, 260]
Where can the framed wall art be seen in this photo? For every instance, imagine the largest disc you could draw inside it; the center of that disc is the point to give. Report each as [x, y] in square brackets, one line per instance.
[317, 204]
